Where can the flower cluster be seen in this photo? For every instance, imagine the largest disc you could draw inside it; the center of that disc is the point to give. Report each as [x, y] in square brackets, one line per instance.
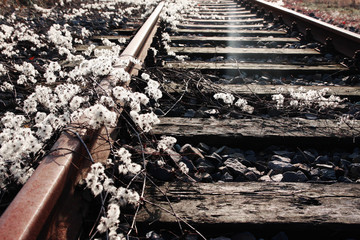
[97, 181]
[51, 69]
[95, 178]
[28, 73]
[165, 41]
[166, 142]
[144, 121]
[152, 89]
[243, 104]
[279, 98]
[301, 99]
[60, 36]
[99, 115]
[228, 98]
[127, 166]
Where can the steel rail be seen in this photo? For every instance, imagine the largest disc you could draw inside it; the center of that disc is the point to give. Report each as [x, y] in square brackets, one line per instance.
[343, 41]
[42, 195]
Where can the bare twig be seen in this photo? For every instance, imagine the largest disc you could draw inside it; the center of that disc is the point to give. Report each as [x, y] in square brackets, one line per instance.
[183, 220]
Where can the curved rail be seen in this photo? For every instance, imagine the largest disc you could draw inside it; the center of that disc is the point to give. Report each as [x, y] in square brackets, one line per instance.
[35, 204]
[344, 41]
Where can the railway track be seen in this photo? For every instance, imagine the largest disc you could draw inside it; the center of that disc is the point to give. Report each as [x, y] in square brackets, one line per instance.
[277, 160]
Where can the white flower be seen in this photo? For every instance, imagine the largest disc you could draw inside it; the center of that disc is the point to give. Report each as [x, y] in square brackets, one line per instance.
[279, 98]
[226, 97]
[75, 103]
[144, 121]
[99, 115]
[183, 168]
[121, 94]
[243, 104]
[166, 143]
[152, 90]
[108, 101]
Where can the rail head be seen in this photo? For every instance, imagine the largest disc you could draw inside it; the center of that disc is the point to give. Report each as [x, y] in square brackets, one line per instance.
[29, 211]
[344, 41]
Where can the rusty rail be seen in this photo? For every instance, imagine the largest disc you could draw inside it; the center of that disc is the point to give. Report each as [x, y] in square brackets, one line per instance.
[45, 200]
[343, 41]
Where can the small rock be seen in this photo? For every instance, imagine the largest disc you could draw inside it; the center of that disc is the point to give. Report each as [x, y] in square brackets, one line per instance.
[203, 147]
[200, 114]
[215, 159]
[177, 147]
[246, 163]
[280, 158]
[309, 156]
[327, 174]
[280, 166]
[203, 177]
[265, 178]
[261, 166]
[314, 172]
[191, 152]
[298, 158]
[302, 176]
[228, 151]
[235, 167]
[204, 165]
[356, 159]
[263, 78]
[236, 115]
[339, 172]
[190, 113]
[251, 176]
[277, 177]
[237, 80]
[345, 164]
[226, 177]
[284, 153]
[243, 236]
[290, 176]
[303, 167]
[216, 176]
[354, 172]
[344, 179]
[322, 159]
[335, 160]
[219, 150]
[236, 155]
[223, 169]
[254, 170]
[328, 56]
[355, 156]
[311, 116]
[280, 236]
[251, 158]
[153, 236]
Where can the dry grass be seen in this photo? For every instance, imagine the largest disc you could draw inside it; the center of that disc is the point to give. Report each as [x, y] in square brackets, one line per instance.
[10, 5]
[343, 13]
[337, 3]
